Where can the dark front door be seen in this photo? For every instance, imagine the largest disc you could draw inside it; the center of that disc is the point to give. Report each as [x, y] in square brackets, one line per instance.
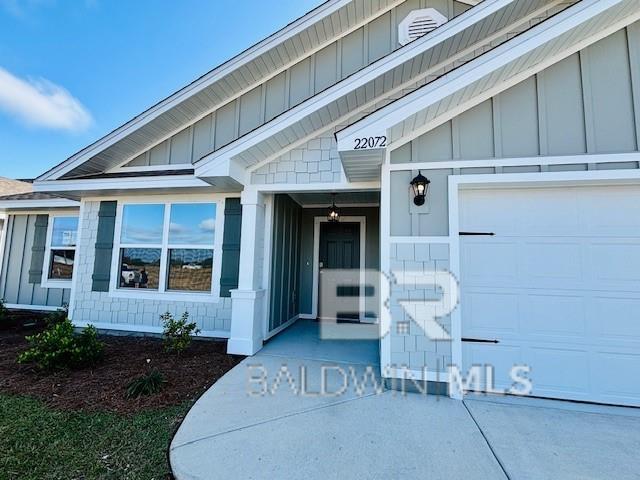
[339, 294]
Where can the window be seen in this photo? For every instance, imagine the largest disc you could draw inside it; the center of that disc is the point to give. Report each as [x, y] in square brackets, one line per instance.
[61, 249]
[167, 247]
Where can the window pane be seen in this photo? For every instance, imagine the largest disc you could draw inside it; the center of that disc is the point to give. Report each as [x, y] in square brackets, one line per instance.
[64, 231]
[61, 264]
[140, 268]
[142, 224]
[192, 224]
[190, 270]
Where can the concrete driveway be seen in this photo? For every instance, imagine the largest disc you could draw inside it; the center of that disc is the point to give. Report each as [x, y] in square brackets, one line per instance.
[295, 413]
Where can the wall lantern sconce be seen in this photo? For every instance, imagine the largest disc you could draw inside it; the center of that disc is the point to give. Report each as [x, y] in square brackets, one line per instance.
[333, 215]
[420, 185]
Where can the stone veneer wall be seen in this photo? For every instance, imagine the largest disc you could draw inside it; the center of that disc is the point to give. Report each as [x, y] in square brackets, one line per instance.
[99, 307]
[316, 162]
[410, 347]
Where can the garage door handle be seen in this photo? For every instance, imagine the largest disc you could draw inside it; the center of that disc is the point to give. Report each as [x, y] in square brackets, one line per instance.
[477, 234]
[479, 340]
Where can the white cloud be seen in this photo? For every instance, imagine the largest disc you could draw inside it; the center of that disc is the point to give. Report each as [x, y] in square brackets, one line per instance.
[208, 225]
[42, 103]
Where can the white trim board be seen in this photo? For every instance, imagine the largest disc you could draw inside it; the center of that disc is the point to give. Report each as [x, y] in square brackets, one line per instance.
[35, 308]
[582, 159]
[362, 220]
[458, 182]
[6, 205]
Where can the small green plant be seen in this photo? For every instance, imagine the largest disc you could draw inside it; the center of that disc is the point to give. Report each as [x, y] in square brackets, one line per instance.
[58, 347]
[57, 316]
[177, 333]
[148, 384]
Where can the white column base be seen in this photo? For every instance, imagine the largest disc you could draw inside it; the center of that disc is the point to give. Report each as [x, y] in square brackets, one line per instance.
[246, 322]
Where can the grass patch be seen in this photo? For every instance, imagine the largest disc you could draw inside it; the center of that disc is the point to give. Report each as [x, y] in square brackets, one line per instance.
[37, 442]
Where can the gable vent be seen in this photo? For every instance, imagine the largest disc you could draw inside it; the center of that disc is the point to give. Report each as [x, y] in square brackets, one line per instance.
[418, 23]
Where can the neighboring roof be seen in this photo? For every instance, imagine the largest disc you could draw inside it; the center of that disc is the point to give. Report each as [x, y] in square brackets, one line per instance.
[10, 187]
[456, 42]
[267, 58]
[34, 200]
[495, 71]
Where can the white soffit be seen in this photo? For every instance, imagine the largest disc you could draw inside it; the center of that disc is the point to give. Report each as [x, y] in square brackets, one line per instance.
[482, 78]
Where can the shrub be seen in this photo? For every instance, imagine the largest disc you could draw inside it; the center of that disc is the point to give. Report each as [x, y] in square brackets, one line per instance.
[148, 384]
[58, 316]
[177, 333]
[58, 347]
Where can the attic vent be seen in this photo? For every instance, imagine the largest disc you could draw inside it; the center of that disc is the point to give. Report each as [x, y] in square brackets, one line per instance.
[418, 23]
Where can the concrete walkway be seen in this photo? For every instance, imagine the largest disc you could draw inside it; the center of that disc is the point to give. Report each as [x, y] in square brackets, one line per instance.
[304, 412]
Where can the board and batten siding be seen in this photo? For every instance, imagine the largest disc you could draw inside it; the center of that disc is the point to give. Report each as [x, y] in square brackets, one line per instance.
[289, 88]
[15, 286]
[589, 103]
[285, 293]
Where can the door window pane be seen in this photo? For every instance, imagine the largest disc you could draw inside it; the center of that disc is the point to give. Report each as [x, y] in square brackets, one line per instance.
[190, 270]
[142, 224]
[64, 231]
[61, 264]
[192, 224]
[140, 268]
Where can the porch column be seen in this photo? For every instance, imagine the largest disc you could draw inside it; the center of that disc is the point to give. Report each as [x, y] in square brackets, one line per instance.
[247, 301]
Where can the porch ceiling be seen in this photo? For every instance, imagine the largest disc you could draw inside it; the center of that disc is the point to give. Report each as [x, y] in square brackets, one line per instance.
[324, 199]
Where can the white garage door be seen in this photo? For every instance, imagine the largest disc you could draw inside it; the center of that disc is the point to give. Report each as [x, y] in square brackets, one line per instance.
[558, 287]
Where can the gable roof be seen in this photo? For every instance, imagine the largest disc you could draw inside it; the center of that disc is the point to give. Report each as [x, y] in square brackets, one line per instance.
[456, 42]
[255, 65]
[484, 77]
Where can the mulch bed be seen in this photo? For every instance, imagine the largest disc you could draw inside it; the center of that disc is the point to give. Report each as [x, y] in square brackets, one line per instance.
[103, 387]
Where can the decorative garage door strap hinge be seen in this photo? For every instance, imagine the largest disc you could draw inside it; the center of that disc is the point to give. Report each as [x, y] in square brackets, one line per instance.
[479, 340]
[477, 234]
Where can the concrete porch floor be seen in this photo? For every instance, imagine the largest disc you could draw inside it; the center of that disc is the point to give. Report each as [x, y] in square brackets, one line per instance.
[298, 418]
[302, 340]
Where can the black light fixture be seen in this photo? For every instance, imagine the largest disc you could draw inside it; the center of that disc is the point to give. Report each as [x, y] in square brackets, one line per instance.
[420, 185]
[333, 215]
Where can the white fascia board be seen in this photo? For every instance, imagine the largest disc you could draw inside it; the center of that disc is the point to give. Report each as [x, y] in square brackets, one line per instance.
[13, 205]
[226, 167]
[379, 122]
[133, 183]
[358, 79]
[203, 82]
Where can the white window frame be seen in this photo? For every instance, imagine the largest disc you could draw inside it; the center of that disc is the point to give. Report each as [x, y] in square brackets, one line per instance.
[47, 282]
[162, 293]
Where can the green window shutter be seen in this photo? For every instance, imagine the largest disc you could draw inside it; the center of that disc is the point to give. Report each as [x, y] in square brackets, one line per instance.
[104, 247]
[231, 246]
[38, 248]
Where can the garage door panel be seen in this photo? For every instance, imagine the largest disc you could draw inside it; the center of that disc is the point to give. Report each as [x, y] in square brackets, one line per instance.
[501, 357]
[550, 262]
[481, 267]
[609, 369]
[617, 262]
[617, 318]
[558, 369]
[493, 313]
[558, 286]
[553, 315]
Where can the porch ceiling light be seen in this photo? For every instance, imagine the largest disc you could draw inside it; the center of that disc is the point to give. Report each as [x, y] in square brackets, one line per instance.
[420, 186]
[333, 215]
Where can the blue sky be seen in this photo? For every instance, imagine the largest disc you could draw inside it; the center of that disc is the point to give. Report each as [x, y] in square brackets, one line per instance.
[73, 70]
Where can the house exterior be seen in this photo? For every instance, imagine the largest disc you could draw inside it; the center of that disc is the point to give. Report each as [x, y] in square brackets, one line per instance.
[524, 115]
